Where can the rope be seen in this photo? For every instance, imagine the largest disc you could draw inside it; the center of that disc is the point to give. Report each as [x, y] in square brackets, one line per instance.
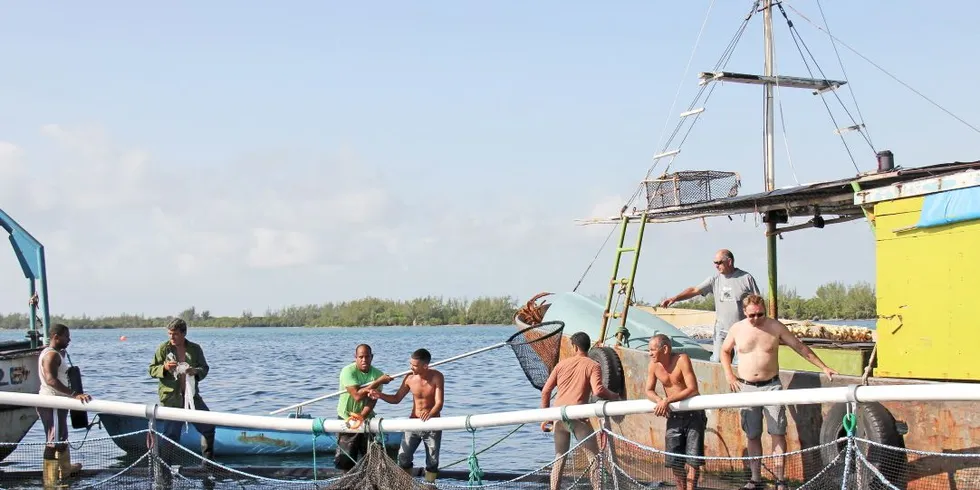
[798, 40]
[317, 432]
[850, 420]
[886, 72]
[840, 61]
[687, 68]
[454, 463]
[476, 474]
[380, 438]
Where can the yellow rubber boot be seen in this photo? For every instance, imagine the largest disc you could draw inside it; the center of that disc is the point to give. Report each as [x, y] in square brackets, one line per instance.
[430, 476]
[52, 475]
[67, 468]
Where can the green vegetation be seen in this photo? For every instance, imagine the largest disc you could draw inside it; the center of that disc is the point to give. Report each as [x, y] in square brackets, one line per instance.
[367, 311]
[832, 301]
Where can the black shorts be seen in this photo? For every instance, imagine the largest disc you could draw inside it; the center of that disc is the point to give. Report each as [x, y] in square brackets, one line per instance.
[685, 436]
[350, 448]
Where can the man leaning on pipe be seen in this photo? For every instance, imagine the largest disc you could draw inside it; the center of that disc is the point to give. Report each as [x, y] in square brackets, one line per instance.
[53, 371]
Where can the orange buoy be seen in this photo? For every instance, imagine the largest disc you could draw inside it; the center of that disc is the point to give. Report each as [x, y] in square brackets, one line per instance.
[122, 338]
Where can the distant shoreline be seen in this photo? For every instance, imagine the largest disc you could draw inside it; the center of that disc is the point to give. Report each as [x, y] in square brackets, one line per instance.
[195, 327]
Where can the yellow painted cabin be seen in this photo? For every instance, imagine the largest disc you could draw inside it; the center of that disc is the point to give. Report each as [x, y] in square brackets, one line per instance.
[928, 326]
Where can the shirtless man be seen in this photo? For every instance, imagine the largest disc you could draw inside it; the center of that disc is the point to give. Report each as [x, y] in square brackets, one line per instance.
[757, 340]
[426, 386]
[685, 430]
[576, 377]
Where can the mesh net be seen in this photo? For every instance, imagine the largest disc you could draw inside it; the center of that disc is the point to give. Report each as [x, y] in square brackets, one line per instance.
[537, 349]
[689, 187]
[604, 459]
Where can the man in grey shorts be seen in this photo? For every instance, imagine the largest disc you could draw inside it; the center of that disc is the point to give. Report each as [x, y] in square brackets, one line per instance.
[729, 287]
[757, 340]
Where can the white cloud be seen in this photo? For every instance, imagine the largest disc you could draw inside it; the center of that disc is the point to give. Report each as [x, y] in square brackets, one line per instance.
[125, 231]
[277, 248]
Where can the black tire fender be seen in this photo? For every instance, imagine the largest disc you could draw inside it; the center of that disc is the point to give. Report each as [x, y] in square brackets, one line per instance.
[611, 368]
[874, 423]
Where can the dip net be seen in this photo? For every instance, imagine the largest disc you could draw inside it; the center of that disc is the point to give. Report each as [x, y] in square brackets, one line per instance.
[537, 349]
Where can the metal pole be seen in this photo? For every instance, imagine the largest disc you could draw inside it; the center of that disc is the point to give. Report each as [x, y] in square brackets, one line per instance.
[770, 158]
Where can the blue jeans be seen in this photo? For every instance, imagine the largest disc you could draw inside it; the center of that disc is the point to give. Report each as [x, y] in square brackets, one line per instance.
[172, 428]
[411, 441]
[719, 339]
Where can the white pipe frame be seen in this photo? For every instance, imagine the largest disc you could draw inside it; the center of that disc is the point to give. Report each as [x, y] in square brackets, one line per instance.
[965, 392]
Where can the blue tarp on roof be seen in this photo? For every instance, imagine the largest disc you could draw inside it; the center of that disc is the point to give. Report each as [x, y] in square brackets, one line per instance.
[946, 208]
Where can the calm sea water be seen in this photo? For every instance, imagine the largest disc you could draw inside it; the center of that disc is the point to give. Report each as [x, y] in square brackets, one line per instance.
[257, 370]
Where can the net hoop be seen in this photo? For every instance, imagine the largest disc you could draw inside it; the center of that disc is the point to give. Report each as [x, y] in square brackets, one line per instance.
[354, 421]
[557, 325]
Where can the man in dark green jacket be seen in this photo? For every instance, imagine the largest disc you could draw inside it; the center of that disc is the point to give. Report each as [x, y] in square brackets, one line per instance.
[173, 361]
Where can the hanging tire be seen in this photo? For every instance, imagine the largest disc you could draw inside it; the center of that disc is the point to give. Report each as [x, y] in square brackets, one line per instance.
[611, 368]
[874, 423]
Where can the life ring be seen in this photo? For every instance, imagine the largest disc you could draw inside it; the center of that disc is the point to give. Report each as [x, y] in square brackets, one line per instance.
[874, 423]
[611, 370]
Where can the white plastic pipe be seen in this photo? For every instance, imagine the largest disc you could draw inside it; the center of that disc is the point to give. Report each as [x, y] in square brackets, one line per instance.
[917, 392]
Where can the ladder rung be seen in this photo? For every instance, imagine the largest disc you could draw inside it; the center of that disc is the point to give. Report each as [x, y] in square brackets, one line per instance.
[666, 154]
[692, 112]
[856, 127]
[626, 249]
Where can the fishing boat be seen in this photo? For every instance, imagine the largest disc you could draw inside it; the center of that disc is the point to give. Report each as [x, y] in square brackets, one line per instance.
[926, 224]
[18, 359]
[127, 433]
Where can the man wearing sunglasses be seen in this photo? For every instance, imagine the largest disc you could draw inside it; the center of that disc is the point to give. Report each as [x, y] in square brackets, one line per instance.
[729, 287]
[757, 340]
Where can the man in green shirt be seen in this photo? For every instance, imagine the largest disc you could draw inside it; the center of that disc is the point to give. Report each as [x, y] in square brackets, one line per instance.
[173, 362]
[358, 378]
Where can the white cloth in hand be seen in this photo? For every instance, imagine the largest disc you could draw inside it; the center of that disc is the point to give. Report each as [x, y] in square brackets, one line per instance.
[190, 387]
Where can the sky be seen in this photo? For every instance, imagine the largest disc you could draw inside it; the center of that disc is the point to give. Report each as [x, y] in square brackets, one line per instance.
[248, 155]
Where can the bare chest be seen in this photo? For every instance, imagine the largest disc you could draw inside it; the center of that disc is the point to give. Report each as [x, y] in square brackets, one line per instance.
[756, 340]
[669, 376]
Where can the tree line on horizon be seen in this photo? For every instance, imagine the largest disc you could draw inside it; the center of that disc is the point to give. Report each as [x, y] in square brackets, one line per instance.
[832, 300]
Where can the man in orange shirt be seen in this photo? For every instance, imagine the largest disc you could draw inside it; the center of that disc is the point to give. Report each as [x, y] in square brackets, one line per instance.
[577, 377]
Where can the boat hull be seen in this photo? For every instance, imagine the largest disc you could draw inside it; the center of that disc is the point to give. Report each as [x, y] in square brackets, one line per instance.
[228, 441]
[939, 427]
[18, 366]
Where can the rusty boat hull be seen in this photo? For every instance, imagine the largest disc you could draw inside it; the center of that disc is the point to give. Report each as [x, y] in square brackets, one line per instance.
[939, 427]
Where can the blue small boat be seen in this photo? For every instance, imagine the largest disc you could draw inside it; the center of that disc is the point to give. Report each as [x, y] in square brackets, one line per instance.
[229, 441]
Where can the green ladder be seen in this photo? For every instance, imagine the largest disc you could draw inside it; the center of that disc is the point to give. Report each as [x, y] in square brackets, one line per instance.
[625, 284]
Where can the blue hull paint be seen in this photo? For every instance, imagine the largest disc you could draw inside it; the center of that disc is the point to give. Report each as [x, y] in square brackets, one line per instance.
[228, 441]
[582, 314]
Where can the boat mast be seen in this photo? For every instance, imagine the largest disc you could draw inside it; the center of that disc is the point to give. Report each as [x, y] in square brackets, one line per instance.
[770, 154]
[769, 80]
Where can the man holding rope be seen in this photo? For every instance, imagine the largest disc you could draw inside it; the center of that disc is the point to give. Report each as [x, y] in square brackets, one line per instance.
[577, 377]
[355, 406]
[427, 387]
